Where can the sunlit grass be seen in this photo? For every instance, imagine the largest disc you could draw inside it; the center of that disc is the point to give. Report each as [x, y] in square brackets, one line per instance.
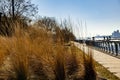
[102, 71]
[35, 53]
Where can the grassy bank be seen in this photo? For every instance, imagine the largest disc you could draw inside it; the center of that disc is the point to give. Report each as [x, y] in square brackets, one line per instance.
[36, 54]
[103, 72]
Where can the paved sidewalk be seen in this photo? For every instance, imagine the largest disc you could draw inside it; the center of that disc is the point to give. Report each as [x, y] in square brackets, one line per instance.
[109, 62]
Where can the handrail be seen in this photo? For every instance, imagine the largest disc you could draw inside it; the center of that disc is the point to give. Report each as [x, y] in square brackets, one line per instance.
[108, 46]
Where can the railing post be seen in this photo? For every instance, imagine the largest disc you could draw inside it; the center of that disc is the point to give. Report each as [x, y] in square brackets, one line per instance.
[103, 46]
[100, 45]
[116, 49]
[112, 48]
[97, 45]
[108, 47]
[119, 47]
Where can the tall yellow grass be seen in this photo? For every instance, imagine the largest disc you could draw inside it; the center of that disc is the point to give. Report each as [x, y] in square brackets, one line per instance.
[35, 55]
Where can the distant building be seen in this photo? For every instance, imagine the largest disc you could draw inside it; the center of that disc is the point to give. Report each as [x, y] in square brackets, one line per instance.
[116, 34]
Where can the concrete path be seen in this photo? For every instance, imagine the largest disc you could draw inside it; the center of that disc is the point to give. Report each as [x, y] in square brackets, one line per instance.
[109, 62]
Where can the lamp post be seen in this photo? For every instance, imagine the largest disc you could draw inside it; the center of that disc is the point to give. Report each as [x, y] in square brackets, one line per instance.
[93, 38]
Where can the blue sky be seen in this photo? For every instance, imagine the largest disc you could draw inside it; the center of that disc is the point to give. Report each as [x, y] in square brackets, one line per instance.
[102, 17]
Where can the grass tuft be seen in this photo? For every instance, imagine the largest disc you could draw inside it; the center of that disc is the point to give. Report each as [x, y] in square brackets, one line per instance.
[59, 70]
[89, 68]
[20, 67]
[73, 64]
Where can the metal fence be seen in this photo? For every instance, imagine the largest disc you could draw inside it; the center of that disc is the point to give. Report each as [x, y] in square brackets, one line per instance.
[108, 46]
[112, 47]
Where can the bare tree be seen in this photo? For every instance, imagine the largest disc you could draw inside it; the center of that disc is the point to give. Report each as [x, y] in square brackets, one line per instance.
[67, 30]
[49, 23]
[17, 8]
[15, 11]
[63, 31]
